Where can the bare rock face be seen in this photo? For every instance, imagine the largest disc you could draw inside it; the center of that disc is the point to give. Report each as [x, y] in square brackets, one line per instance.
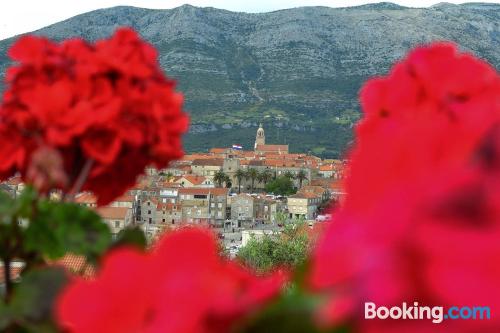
[301, 68]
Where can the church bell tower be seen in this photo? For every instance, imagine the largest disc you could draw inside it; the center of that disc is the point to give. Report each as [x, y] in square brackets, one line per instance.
[260, 138]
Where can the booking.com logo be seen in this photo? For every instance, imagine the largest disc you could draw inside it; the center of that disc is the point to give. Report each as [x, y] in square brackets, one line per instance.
[417, 312]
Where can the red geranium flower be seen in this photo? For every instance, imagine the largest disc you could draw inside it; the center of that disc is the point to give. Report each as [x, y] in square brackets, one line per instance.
[182, 286]
[107, 106]
[421, 221]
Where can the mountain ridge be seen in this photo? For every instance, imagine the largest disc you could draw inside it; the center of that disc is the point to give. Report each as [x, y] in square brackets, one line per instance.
[299, 70]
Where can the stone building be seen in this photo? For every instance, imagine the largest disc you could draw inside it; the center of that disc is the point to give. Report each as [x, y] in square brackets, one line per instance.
[204, 205]
[303, 205]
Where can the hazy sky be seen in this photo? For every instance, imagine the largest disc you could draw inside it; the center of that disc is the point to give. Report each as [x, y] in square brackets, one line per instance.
[18, 16]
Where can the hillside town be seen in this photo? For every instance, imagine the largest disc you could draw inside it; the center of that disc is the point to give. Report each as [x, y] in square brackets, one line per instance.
[237, 192]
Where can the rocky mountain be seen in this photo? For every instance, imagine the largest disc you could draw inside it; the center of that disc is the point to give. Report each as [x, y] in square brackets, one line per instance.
[297, 70]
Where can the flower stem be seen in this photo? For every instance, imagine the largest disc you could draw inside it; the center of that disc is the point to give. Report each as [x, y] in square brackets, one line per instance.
[7, 278]
[80, 180]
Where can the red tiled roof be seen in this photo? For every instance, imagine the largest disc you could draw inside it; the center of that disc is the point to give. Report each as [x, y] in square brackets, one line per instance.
[193, 157]
[118, 213]
[337, 184]
[86, 198]
[16, 180]
[269, 148]
[218, 150]
[204, 191]
[328, 167]
[313, 189]
[209, 162]
[193, 179]
[283, 163]
[14, 273]
[76, 265]
[305, 195]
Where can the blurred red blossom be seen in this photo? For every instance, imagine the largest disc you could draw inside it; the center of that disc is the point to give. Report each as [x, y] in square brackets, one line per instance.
[183, 285]
[421, 221]
[106, 105]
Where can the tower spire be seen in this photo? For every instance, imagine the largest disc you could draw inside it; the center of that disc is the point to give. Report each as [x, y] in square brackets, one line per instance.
[260, 138]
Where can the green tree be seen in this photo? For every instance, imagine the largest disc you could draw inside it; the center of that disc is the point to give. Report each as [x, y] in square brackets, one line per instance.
[281, 186]
[252, 174]
[289, 175]
[220, 177]
[227, 181]
[301, 176]
[289, 248]
[240, 174]
[265, 176]
[168, 176]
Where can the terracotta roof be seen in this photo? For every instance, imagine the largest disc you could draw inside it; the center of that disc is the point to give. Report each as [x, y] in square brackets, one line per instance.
[267, 148]
[313, 189]
[275, 155]
[328, 167]
[86, 198]
[193, 179]
[209, 162]
[76, 265]
[246, 153]
[125, 198]
[337, 184]
[117, 213]
[15, 271]
[256, 163]
[204, 191]
[218, 150]
[305, 195]
[283, 163]
[16, 180]
[323, 182]
[193, 157]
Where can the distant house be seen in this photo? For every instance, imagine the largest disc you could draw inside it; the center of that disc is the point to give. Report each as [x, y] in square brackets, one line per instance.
[279, 149]
[243, 208]
[204, 205]
[86, 199]
[194, 181]
[303, 205]
[207, 167]
[258, 234]
[117, 218]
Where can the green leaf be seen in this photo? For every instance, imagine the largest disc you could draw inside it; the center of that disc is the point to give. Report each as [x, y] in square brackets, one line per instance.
[5, 317]
[58, 228]
[34, 298]
[133, 237]
[25, 203]
[7, 208]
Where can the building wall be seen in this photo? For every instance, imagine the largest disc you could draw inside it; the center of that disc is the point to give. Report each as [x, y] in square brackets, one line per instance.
[242, 208]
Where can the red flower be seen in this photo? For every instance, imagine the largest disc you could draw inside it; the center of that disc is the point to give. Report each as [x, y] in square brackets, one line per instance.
[108, 103]
[421, 221]
[182, 286]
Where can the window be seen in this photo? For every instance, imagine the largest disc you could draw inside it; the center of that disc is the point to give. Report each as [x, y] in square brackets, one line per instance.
[173, 222]
[163, 220]
[149, 212]
[150, 221]
[220, 205]
[117, 224]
